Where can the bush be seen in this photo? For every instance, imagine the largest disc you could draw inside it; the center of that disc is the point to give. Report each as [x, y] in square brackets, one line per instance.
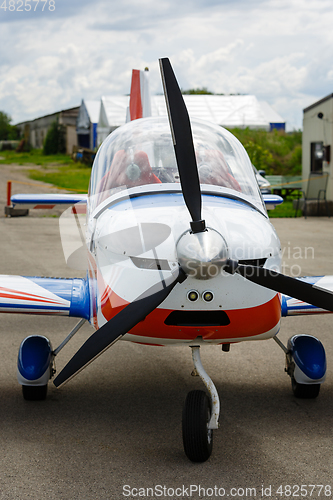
[276, 152]
[259, 156]
[55, 140]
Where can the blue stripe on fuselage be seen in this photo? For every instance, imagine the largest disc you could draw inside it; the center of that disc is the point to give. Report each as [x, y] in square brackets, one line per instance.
[172, 199]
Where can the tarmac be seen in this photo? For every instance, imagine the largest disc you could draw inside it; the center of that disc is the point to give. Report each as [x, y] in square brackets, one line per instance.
[114, 431]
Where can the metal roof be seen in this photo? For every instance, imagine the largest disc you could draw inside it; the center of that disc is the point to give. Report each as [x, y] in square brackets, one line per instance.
[330, 96]
[93, 109]
[228, 111]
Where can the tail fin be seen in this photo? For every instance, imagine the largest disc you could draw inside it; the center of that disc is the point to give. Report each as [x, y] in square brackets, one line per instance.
[139, 105]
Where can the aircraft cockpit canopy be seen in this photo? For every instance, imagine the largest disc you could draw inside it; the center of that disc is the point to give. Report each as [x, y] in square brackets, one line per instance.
[142, 153]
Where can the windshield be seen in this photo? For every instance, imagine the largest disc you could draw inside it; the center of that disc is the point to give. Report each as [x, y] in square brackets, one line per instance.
[141, 152]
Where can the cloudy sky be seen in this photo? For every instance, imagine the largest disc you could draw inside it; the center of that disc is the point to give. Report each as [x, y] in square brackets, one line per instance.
[56, 52]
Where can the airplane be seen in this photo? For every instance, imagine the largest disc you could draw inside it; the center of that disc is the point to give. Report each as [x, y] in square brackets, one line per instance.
[178, 250]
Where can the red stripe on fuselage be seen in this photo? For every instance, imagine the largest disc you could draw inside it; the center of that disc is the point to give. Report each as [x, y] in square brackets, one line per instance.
[110, 301]
[25, 296]
[248, 322]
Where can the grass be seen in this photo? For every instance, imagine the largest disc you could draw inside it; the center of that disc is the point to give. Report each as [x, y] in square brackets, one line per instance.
[284, 210]
[34, 157]
[74, 179]
[59, 170]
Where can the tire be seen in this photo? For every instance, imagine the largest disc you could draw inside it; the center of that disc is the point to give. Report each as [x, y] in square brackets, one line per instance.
[197, 438]
[304, 391]
[34, 392]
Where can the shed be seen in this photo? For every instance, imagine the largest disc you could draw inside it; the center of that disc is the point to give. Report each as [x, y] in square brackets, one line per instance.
[317, 140]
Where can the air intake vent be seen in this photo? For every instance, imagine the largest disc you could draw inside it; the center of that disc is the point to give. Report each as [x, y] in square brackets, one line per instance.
[197, 318]
[253, 262]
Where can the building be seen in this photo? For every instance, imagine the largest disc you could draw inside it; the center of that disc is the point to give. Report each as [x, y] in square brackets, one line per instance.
[34, 131]
[317, 140]
[228, 111]
[113, 112]
[86, 124]
[90, 123]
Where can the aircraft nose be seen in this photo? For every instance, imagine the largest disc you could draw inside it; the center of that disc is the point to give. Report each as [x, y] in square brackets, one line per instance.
[202, 255]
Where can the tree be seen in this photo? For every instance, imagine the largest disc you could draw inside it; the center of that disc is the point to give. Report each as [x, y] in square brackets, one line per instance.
[199, 91]
[7, 131]
[55, 140]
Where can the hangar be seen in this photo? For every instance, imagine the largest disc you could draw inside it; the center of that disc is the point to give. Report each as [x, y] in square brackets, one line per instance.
[86, 124]
[229, 111]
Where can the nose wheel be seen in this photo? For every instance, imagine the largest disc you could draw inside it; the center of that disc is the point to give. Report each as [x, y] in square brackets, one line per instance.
[197, 437]
[200, 416]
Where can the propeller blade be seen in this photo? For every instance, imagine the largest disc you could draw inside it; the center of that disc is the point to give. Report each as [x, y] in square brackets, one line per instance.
[285, 284]
[183, 143]
[120, 324]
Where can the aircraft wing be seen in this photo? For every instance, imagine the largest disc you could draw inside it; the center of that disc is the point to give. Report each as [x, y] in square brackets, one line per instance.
[293, 307]
[272, 200]
[51, 296]
[26, 201]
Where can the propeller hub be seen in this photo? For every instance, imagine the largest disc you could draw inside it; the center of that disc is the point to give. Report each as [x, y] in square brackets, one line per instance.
[202, 255]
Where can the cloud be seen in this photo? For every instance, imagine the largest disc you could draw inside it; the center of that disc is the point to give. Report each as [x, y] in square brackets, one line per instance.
[16, 11]
[279, 50]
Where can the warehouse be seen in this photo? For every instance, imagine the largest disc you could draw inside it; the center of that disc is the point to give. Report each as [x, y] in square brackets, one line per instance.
[34, 131]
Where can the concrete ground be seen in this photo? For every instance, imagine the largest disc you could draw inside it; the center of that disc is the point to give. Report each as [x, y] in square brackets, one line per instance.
[119, 422]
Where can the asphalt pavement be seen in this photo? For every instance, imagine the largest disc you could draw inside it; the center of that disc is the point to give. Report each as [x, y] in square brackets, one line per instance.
[114, 431]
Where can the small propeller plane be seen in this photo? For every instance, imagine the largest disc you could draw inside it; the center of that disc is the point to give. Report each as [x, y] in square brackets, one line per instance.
[179, 250]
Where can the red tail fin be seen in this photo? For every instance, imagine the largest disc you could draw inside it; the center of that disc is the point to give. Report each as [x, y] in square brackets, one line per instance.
[135, 99]
[139, 105]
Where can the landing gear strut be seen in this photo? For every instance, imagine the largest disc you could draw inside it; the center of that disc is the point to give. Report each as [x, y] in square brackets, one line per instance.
[200, 415]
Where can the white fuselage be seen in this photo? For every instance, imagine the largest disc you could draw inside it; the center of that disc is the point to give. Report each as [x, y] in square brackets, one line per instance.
[118, 278]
